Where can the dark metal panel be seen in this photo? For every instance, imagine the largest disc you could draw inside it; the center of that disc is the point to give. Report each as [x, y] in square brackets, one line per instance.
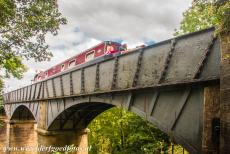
[129, 101]
[71, 83]
[82, 80]
[9, 99]
[152, 65]
[115, 72]
[62, 86]
[138, 68]
[204, 58]
[90, 76]
[66, 84]
[32, 91]
[56, 86]
[126, 70]
[212, 66]
[17, 98]
[53, 86]
[76, 82]
[97, 79]
[36, 89]
[187, 55]
[29, 92]
[12, 96]
[106, 76]
[180, 106]
[166, 106]
[189, 125]
[47, 90]
[23, 93]
[153, 102]
[6, 97]
[167, 61]
[20, 94]
[138, 112]
[50, 88]
[43, 90]
[15, 95]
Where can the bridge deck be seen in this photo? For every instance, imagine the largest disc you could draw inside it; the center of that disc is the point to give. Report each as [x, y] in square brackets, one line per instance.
[188, 59]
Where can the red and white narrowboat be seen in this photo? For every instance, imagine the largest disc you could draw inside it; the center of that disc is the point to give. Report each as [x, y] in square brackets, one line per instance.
[100, 50]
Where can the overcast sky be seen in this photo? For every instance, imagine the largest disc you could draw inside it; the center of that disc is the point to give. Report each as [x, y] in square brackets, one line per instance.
[133, 22]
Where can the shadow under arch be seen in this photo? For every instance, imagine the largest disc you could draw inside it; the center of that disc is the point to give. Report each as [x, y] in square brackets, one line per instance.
[78, 116]
[2, 112]
[22, 113]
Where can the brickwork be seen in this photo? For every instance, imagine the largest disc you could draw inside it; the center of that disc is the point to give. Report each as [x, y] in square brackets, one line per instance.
[211, 115]
[225, 94]
[42, 115]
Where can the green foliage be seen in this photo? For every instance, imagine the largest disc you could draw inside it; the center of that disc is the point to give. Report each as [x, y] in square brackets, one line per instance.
[204, 14]
[23, 26]
[177, 149]
[118, 131]
[1, 102]
[12, 64]
[6, 11]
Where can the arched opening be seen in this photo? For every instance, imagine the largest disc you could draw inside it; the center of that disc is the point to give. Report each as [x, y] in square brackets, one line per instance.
[84, 115]
[19, 129]
[22, 113]
[2, 112]
[78, 116]
[120, 131]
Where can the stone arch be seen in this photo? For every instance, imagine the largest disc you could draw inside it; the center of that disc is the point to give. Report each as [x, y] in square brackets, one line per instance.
[22, 112]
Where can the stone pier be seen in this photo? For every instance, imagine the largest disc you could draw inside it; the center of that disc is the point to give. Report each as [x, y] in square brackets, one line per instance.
[17, 137]
[75, 142]
[211, 120]
[75, 139]
[225, 94]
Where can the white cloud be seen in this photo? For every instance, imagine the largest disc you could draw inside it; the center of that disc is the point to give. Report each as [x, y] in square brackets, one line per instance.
[92, 21]
[133, 19]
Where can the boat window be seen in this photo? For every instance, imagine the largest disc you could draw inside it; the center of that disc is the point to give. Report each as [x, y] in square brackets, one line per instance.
[99, 51]
[71, 63]
[110, 48]
[62, 67]
[39, 78]
[89, 56]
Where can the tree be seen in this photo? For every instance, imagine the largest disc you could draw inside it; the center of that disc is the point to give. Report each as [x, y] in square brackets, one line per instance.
[204, 14]
[118, 131]
[23, 26]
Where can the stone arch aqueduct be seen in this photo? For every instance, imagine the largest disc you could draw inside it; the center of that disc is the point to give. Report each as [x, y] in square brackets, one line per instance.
[181, 85]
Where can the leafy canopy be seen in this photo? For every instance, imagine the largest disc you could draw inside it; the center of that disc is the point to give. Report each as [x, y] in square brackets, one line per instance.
[204, 14]
[23, 26]
[117, 131]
